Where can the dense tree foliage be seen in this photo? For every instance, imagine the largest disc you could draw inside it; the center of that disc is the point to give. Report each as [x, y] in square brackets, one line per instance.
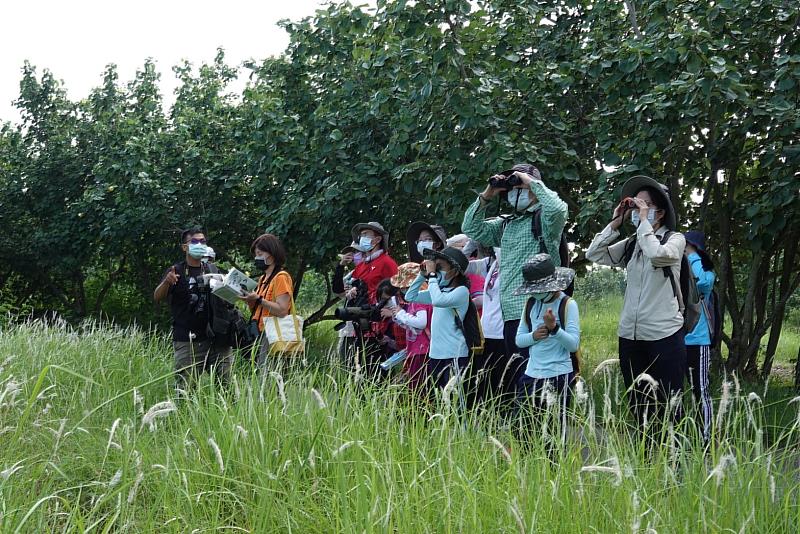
[400, 114]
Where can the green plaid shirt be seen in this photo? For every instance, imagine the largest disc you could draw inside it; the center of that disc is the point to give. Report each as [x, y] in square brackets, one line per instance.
[517, 242]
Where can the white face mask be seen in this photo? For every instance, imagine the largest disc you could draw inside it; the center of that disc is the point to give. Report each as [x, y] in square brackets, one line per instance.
[422, 245]
[520, 199]
[651, 217]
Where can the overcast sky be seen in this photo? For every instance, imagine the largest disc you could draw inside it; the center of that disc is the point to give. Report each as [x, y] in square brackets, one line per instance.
[75, 39]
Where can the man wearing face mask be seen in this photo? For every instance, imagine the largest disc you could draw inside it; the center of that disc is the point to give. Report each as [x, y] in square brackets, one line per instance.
[371, 241]
[530, 199]
[197, 347]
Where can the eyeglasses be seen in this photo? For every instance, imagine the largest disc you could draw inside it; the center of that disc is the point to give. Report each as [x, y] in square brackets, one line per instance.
[198, 241]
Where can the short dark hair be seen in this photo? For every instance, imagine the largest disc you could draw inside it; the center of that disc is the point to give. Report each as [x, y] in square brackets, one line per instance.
[189, 232]
[271, 244]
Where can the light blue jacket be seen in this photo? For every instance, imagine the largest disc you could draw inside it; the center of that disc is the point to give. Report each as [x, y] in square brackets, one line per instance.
[549, 357]
[447, 341]
[705, 283]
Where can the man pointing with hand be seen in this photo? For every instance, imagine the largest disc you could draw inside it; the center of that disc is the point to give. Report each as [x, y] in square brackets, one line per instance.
[191, 307]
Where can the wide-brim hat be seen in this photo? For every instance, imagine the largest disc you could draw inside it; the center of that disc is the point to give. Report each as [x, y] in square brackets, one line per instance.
[637, 183]
[406, 274]
[540, 275]
[375, 227]
[451, 255]
[412, 235]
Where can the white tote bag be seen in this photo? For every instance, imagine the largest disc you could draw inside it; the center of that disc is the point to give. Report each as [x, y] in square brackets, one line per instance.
[285, 334]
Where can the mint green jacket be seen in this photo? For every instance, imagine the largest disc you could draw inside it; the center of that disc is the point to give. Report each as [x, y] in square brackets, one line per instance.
[517, 242]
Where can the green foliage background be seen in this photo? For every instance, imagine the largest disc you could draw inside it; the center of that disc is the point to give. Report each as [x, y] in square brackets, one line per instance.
[400, 114]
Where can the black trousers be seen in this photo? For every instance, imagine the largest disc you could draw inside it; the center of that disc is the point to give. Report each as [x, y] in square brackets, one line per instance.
[518, 358]
[665, 361]
[364, 353]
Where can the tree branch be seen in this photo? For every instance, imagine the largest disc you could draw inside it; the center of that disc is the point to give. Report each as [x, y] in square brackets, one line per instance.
[632, 15]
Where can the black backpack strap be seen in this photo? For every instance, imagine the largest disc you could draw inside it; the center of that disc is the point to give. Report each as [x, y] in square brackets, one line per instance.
[668, 273]
[536, 230]
[562, 312]
[630, 245]
[528, 307]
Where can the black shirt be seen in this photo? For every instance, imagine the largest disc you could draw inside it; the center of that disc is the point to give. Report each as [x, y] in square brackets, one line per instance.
[184, 301]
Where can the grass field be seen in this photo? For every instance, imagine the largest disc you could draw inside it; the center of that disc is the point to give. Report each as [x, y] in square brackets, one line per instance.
[89, 443]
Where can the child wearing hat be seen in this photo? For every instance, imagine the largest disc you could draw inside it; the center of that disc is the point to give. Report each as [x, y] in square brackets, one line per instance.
[550, 343]
[448, 293]
[415, 318]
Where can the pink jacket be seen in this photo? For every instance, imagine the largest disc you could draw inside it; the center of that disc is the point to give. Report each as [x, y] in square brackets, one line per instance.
[416, 319]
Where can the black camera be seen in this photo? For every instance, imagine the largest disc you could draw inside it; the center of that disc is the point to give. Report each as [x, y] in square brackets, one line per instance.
[358, 310]
[507, 184]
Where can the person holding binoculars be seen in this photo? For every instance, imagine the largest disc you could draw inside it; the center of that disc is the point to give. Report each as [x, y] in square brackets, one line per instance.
[535, 226]
[651, 326]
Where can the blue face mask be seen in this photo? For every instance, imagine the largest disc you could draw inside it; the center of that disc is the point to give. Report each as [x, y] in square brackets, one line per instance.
[365, 244]
[441, 277]
[197, 250]
[540, 296]
[423, 245]
[651, 217]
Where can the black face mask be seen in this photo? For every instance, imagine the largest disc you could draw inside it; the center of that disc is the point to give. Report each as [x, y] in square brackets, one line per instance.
[261, 264]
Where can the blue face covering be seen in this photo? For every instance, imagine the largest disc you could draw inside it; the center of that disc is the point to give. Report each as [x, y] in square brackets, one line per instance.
[440, 276]
[422, 245]
[197, 250]
[651, 217]
[540, 296]
[365, 244]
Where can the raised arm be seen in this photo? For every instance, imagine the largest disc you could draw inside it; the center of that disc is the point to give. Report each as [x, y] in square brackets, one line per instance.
[414, 294]
[554, 210]
[478, 228]
[670, 253]
[705, 279]
[604, 251]
[450, 299]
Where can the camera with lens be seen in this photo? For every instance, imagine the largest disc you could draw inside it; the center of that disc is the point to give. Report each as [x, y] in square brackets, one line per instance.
[358, 310]
[507, 184]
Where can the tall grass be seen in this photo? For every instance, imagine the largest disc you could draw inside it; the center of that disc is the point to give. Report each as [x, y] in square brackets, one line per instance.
[88, 442]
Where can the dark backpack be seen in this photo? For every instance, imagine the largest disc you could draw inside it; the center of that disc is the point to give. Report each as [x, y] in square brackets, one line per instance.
[471, 328]
[688, 295]
[563, 245]
[575, 357]
[714, 317]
